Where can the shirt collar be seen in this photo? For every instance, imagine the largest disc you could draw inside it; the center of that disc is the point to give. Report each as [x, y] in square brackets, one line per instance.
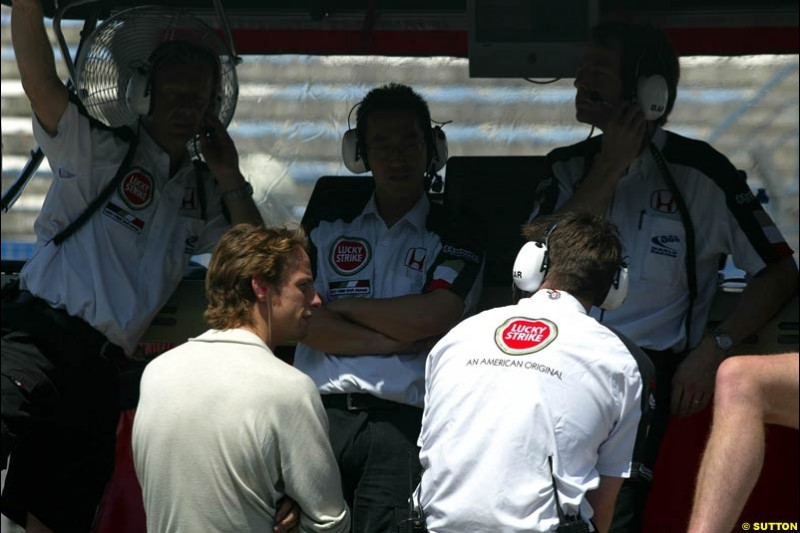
[550, 297]
[416, 216]
[235, 335]
[644, 163]
[158, 155]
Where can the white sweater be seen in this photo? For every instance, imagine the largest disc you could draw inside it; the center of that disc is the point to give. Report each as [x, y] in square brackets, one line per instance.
[223, 430]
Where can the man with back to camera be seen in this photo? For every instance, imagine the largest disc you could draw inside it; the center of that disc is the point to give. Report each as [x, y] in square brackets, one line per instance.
[392, 273]
[514, 388]
[224, 429]
[88, 299]
[679, 205]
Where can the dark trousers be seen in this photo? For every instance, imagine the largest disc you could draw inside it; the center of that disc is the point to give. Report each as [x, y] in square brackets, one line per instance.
[375, 444]
[632, 498]
[59, 415]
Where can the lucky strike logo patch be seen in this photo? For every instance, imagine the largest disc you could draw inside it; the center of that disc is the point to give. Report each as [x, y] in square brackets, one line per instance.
[350, 255]
[521, 336]
[136, 189]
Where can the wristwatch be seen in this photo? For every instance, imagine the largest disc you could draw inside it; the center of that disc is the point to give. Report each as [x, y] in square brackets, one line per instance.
[245, 191]
[723, 341]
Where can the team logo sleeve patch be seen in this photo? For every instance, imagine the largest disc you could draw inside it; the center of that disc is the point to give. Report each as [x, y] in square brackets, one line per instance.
[772, 233]
[349, 255]
[522, 336]
[445, 274]
[137, 189]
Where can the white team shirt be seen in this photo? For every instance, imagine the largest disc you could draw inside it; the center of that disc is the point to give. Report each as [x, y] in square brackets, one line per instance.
[356, 256]
[727, 219]
[119, 269]
[511, 386]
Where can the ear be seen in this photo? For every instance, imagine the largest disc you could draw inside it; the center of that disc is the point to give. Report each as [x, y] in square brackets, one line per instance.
[260, 289]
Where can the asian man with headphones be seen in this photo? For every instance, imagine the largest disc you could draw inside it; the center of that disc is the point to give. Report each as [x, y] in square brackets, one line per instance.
[394, 271]
[535, 412]
[679, 205]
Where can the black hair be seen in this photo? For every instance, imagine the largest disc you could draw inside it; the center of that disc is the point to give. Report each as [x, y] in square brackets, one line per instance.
[391, 97]
[645, 50]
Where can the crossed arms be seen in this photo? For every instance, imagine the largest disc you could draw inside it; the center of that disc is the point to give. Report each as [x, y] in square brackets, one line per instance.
[404, 324]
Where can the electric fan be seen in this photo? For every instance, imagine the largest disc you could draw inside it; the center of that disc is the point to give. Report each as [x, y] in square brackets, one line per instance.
[119, 49]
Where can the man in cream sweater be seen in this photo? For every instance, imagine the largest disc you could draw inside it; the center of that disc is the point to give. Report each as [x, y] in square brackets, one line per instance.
[225, 430]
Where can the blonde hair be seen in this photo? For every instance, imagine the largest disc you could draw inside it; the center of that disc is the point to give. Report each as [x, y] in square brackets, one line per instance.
[245, 251]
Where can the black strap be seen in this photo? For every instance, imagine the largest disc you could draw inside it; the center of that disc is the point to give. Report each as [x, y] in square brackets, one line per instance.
[95, 204]
[199, 167]
[562, 519]
[688, 225]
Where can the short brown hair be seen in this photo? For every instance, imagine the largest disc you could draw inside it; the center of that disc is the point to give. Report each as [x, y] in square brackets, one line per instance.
[585, 252]
[645, 50]
[245, 251]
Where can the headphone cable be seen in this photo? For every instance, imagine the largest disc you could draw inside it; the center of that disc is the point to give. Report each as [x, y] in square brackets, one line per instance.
[683, 209]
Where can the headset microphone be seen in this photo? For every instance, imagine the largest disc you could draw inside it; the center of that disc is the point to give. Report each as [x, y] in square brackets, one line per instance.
[596, 98]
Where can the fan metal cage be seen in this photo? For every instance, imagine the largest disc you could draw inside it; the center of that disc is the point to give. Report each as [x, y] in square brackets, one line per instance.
[121, 46]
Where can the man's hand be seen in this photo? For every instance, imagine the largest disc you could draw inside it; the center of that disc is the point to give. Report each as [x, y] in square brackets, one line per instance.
[623, 139]
[623, 136]
[693, 384]
[220, 153]
[287, 517]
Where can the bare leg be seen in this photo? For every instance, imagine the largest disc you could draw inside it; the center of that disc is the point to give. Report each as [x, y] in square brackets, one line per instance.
[750, 391]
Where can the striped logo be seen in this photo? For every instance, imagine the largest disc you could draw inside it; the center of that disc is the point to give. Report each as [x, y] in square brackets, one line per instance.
[118, 214]
[337, 289]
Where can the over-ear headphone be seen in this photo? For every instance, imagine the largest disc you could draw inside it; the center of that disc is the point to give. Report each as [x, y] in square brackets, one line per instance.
[651, 92]
[533, 262]
[140, 85]
[354, 154]
[137, 94]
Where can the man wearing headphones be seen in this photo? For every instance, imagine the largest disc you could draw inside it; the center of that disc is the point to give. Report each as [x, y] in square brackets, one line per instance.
[124, 215]
[535, 412]
[393, 271]
[679, 205]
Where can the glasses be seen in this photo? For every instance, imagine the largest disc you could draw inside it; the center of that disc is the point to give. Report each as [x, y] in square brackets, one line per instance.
[405, 150]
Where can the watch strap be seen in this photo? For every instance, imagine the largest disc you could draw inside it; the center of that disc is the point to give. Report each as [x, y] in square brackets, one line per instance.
[245, 191]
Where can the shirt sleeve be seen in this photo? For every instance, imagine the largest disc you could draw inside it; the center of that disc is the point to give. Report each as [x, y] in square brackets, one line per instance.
[555, 187]
[622, 453]
[743, 228]
[458, 265]
[753, 238]
[308, 466]
[83, 156]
